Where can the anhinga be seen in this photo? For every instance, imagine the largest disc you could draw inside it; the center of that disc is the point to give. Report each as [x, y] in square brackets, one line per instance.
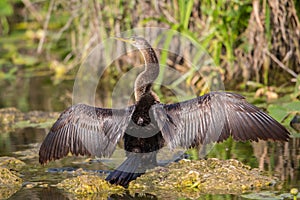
[148, 125]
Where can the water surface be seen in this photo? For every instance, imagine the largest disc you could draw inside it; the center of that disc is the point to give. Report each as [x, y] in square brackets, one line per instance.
[279, 159]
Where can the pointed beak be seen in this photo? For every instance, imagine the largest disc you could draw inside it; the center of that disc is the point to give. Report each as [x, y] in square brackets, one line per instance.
[128, 40]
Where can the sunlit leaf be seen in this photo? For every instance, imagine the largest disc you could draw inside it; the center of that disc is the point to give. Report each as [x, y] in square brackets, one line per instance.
[5, 8]
[278, 112]
[293, 106]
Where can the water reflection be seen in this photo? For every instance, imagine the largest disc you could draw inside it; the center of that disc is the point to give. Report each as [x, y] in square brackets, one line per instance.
[282, 158]
[35, 93]
[279, 159]
[53, 193]
[40, 193]
[20, 139]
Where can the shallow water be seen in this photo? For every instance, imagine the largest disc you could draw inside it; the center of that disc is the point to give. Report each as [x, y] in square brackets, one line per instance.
[279, 159]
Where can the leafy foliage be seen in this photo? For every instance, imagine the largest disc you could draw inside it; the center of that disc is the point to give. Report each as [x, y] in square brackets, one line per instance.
[244, 39]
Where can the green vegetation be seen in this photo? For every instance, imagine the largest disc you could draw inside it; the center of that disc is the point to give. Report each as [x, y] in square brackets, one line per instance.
[254, 44]
[242, 36]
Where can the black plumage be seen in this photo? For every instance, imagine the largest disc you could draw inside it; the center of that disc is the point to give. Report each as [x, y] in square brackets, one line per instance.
[148, 125]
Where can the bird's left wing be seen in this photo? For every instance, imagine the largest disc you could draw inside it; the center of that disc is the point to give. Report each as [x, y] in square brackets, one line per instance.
[85, 130]
[213, 118]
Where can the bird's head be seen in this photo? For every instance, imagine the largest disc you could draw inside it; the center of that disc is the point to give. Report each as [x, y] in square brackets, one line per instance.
[138, 42]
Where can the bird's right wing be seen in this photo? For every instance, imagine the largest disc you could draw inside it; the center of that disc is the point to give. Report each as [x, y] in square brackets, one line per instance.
[85, 130]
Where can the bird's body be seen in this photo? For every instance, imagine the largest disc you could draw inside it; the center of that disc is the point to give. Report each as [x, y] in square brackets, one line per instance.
[148, 125]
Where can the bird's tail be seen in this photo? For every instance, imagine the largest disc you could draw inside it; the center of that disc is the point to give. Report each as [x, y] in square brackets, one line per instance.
[134, 166]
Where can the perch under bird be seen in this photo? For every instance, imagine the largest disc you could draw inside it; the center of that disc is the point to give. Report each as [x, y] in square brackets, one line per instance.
[148, 125]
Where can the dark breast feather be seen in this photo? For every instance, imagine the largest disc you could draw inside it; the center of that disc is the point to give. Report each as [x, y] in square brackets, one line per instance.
[213, 118]
[85, 130]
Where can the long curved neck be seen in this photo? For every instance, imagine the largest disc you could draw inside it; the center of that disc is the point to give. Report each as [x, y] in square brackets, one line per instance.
[144, 81]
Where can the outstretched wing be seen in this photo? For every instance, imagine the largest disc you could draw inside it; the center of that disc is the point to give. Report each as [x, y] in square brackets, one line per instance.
[213, 118]
[85, 130]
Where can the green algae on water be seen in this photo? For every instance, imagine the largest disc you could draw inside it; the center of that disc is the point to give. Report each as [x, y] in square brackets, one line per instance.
[11, 163]
[9, 183]
[212, 176]
[89, 184]
[12, 118]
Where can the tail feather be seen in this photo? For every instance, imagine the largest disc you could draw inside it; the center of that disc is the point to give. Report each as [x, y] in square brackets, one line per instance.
[134, 166]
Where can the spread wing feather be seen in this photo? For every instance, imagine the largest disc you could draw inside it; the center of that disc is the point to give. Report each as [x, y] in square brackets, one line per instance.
[213, 118]
[85, 130]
